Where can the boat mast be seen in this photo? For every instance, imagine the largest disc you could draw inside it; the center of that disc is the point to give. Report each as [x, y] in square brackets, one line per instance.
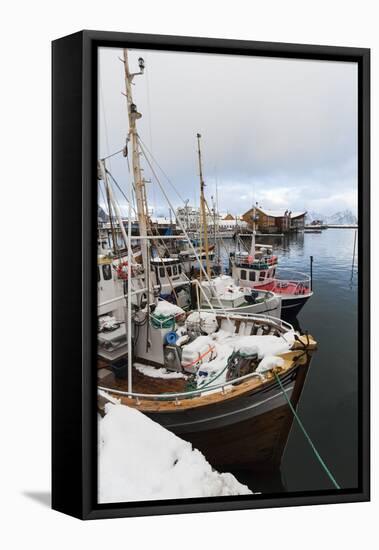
[139, 182]
[202, 209]
[252, 247]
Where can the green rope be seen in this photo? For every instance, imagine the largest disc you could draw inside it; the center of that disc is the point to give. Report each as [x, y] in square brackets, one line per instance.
[231, 356]
[317, 454]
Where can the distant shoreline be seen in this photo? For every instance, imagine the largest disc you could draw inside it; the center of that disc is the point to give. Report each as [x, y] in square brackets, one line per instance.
[332, 226]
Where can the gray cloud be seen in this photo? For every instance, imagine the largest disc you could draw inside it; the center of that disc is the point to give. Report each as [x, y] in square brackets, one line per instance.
[283, 132]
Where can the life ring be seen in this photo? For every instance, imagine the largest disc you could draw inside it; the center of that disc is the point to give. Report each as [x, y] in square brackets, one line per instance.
[122, 270]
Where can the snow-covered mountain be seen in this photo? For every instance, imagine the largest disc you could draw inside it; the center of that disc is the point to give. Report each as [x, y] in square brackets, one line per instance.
[344, 217]
[313, 216]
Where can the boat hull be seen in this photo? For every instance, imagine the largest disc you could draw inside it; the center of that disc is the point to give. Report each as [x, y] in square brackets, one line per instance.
[247, 433]
[270, 307]
[291, 305]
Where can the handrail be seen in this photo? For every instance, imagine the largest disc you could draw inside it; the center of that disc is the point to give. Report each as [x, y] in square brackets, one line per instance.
[305, 275]
[243, 260]
[253, 317]
[165, 396]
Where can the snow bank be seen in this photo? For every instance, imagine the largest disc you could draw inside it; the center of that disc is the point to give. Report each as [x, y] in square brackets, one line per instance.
[153, 372]
[141, 460]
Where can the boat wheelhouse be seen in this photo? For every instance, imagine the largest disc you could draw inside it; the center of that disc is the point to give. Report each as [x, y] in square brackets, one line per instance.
[171, 279]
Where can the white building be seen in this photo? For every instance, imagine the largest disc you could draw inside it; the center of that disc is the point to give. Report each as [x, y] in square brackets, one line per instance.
[189, 217]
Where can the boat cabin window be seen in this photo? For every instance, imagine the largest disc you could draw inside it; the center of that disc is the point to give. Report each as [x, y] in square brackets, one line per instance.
[272, 272]
[252, 276]
[107, 272]
[161, 272]
[174, 270]
[98, 274]
[243, 274]
[179, 269]
[169, 273]
[262, 275]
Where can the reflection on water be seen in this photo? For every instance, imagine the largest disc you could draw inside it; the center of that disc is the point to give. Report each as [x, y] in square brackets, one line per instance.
[328, 405]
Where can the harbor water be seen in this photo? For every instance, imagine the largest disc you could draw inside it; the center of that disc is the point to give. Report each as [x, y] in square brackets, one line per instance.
[328, 404]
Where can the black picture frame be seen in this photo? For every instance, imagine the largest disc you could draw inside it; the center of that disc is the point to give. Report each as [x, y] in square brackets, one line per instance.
[74, 150]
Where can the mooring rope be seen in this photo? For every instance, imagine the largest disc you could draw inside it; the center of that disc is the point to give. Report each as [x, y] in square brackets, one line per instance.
[301, 425]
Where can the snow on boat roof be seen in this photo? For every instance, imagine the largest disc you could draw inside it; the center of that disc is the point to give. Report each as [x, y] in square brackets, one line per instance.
[167, 309]
[165, 260]
[280, 213]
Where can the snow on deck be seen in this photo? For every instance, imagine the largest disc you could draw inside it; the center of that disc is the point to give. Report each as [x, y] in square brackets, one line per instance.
[225, 343]
[225, 287]
[141, 460]
[154, 372]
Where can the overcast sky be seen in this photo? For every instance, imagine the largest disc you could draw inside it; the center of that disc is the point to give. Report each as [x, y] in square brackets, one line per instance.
[280, 132]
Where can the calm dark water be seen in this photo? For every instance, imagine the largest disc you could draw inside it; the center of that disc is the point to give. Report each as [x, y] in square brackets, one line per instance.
[328, 404]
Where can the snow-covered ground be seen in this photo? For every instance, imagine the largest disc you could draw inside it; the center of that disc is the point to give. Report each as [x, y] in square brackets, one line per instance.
[141, 460]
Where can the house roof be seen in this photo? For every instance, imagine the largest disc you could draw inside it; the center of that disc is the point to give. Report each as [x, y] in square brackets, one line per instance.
[278, 213]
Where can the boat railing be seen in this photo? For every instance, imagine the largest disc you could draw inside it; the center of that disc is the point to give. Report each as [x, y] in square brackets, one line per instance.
[223, 387]
[264, 262]
[286, 276]
[255, 317]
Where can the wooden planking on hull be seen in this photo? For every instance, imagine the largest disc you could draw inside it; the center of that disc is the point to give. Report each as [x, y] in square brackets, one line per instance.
[256, 444]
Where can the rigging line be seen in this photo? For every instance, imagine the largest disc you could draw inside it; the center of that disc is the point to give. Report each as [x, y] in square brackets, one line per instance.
[148, 104]
[202, 270]
[220, 238]
[301, 425]
[149, 119]
[161, 169]
[113, 154]
[103, 197]
[119, 188]
[104, 119]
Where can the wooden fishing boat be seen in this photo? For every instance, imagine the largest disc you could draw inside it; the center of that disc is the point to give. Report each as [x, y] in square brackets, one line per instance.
[243, 421]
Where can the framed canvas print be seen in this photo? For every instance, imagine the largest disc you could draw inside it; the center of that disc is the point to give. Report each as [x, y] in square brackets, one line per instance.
[210, 274]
